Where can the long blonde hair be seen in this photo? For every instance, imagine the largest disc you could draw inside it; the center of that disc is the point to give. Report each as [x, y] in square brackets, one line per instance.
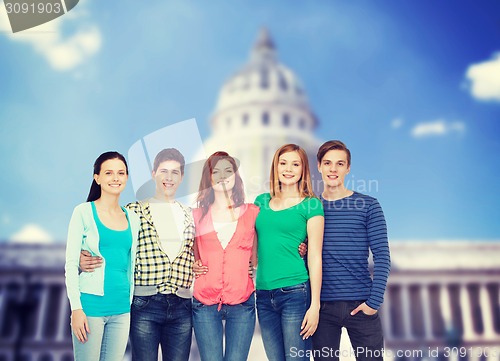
[305, 184]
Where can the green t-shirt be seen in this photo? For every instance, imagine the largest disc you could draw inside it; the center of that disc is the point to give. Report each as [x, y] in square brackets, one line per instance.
[279, 235]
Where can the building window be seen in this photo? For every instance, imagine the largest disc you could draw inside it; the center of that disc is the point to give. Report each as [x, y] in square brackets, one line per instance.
[286, 120]
[282, 82]
[264, 78]
[245, 119]
[228, 122]
[265, 118]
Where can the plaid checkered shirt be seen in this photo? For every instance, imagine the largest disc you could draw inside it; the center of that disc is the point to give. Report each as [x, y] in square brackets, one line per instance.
[152, 266]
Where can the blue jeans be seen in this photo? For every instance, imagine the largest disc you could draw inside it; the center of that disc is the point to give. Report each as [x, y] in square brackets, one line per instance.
[240, 325]
[281, 312]
[107, 339]
[365, 332]
[160, 320]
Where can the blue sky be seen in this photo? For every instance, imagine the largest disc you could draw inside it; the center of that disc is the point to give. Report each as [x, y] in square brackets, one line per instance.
[413, 88]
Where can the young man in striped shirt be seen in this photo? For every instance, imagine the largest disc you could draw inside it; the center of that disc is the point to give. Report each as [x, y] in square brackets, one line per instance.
[350, 297]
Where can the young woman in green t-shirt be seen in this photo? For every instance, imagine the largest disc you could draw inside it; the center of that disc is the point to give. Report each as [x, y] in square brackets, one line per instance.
[287, 294]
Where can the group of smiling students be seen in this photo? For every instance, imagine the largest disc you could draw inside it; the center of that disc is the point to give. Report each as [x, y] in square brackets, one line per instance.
[129, 270]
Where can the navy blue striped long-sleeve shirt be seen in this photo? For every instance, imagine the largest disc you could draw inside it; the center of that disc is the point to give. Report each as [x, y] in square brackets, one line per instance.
[354, 225]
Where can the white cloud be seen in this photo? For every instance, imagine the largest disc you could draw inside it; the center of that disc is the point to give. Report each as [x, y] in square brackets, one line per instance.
[484, 79]
[438, 127]
[397, 123]
[62, 52]
[31, 233]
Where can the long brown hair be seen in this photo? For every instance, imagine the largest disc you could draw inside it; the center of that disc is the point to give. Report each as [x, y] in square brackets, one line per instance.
[206, 193]
[305, 184]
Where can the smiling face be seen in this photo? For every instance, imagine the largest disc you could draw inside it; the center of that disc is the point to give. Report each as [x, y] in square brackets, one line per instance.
[223, 176]
[167, 177]
[289, 168]
[112, 177]
[334, 168]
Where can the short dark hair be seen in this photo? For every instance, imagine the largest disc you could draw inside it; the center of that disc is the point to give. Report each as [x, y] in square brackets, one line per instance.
[333, 145]
[169, 154]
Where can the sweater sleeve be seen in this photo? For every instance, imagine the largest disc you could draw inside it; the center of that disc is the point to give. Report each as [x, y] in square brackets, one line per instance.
[379, 245]
[76, 231]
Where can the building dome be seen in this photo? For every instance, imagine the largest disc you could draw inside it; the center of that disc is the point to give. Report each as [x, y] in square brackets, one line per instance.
[263, 82]
[260, 108]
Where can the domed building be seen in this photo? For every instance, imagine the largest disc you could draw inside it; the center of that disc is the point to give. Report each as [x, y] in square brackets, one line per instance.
[260, 108]
[442, 300]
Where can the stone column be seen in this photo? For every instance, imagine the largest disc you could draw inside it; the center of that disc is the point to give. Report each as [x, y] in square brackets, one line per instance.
[486, 312]
[42, 312]
[405, 303]
[425, 301]
[469, 333]
[445, 305]
[474, 356]
[386, 313]
[3, 297]
[62, 320]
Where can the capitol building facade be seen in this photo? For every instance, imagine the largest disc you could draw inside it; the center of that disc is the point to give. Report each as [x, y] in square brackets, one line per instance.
[443, 298]
[442, 303]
